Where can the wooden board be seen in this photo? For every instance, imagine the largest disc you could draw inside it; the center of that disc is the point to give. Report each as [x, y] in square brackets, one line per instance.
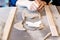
[47, 35]
[54, 11]
[8, 24]
[51, 21]
[56, 15]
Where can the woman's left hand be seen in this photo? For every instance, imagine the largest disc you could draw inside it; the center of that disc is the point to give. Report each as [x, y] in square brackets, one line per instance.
[40, 4]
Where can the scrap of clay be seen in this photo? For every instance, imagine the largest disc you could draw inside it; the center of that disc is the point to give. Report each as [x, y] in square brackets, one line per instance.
[35, 24]
[19, 26]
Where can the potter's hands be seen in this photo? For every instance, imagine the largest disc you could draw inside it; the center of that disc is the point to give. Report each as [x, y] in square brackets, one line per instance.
[32, 5]
[37, 5]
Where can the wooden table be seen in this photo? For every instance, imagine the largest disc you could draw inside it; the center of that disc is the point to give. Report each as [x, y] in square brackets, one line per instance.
[29, 35]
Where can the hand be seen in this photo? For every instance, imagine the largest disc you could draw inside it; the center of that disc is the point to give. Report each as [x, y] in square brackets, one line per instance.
[33, 6]
[40, 3]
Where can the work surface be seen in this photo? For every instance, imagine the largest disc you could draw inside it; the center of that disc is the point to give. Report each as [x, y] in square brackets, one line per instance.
[29, 35]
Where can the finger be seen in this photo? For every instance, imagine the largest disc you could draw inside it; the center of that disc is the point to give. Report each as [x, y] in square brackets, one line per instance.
[42, 5]
[33, 7]
[44, 2]
[38, 2]
[40, 8]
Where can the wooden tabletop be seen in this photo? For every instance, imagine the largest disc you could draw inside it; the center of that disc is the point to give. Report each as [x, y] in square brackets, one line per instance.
[29, 35]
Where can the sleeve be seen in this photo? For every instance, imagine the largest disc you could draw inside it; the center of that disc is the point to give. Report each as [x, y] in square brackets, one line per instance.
[56, 2]
[12, 3]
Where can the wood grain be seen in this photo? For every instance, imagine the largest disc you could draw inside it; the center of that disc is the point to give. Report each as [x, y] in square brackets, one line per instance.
[8, 24]
[51, 21]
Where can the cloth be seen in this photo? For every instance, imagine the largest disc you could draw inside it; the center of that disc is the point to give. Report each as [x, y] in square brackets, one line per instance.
[2, 3]
[12, 2]
[55, 2]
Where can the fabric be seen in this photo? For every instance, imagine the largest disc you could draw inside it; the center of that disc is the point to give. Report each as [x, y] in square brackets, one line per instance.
[2, 3]
[55, 2]
[12, 2]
